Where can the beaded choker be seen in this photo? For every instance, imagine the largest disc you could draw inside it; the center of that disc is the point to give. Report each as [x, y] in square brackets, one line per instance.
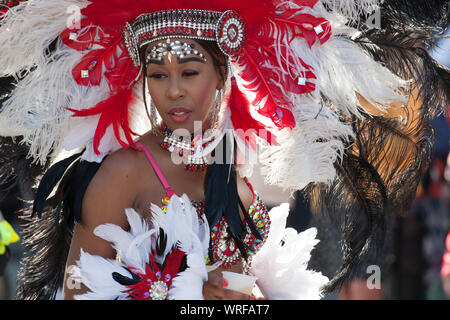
[185, 146]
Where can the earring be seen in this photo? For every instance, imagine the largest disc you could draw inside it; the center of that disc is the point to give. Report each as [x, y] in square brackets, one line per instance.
[215, 110]
[153, 117]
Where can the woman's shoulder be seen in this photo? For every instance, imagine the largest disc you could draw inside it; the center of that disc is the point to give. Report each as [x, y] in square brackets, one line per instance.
[121, 163]
[113, 188]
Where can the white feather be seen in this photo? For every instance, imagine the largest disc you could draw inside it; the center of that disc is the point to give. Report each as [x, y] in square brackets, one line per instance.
[192, 278]
[353, 9]
[300, 158]
[96, 274]
[29, 28]
[281, 263]
[181, 225]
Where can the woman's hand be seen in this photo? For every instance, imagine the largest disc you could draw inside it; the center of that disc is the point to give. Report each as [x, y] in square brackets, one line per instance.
[216, 289]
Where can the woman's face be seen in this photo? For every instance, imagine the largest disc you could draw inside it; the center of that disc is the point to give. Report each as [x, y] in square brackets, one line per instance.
[183, 89]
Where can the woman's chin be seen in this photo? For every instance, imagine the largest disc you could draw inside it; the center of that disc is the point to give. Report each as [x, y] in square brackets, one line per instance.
[189, 127]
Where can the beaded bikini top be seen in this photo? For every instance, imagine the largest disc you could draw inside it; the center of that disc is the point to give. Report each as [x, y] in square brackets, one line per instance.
[222, 246]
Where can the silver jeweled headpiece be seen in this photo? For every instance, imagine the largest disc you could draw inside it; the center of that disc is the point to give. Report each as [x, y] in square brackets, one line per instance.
[226, 28]
[172, 48]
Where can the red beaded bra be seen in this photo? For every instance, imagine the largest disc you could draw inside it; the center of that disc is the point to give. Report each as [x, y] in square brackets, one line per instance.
[222, 246]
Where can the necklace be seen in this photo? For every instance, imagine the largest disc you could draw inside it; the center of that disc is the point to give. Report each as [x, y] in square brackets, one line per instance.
[223, 247]
[185, 147]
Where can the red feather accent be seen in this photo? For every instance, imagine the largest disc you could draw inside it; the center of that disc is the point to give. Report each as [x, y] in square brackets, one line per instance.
[303, 25]
[87, 36]
[92, 64]
[116, 12]
[93, 61]
[242, 118]
[290, 76]
[6, 5]
[113, 111]
[262, 80]
[120, 73]
[140, 290]
[306, 3]
[301, 3]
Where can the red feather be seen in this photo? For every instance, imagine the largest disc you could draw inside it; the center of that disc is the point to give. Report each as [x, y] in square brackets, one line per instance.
[302, 25]
[242, 118]
[93, 63]
[290, 78]
[87, 36]
[6, 5]
[121, 72]
[140, 290]
[262, 81]
[116, 12]
[113, 111]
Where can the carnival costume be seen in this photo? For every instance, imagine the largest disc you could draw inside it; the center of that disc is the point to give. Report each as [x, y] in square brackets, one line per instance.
[335, 106]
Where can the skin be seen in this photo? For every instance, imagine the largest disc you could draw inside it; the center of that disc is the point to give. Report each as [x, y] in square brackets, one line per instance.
[126, 179]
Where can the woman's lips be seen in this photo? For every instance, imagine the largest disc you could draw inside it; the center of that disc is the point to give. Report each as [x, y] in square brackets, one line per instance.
[179, 115]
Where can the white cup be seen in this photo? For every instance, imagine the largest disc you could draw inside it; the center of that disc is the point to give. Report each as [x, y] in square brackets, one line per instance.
[239, 282]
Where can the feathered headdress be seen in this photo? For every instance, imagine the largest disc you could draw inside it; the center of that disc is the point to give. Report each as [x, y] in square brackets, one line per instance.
[339, 94]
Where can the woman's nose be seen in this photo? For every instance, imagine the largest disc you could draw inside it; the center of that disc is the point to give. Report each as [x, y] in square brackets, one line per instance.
[175, 90]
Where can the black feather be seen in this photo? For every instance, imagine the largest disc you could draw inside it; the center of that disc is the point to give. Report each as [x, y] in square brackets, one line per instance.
[221, 195]
[418, 12]
[49, 181]
[47, 239]
[405, 53]
[231, 212]
[83, 174]
[161, 243]
[46, 248]
[216, 192]
[126, 281]
[250, 222]
[379, 175]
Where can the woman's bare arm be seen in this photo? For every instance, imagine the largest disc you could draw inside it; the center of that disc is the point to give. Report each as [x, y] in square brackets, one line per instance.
[111, 191]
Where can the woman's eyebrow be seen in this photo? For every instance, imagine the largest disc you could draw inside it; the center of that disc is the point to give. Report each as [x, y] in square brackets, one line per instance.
[180, 60]
[189, 59]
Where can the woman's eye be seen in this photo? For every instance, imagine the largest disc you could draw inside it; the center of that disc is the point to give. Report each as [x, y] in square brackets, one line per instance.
[161, 75]
[156, 76]
[190, 73]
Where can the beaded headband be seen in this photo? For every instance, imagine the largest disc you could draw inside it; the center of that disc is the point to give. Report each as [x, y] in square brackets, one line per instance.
[172, 48]
[226, 28]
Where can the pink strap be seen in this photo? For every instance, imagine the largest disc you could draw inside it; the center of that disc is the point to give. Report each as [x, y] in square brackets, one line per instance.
[166, 185]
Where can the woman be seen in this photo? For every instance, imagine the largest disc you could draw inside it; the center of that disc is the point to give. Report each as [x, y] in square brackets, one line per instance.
[173, 85]
[304, 83]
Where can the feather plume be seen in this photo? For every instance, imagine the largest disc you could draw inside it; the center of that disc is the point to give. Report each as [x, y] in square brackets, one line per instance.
[281, 263]
[29, 28]
[353, 9]
[46, 244]
[404, 52]
[48, 182]
[181, 255]
[113, 13]
[268, 97]
[378, 175]
[428, 13]
[113, 111]
[242, 118]
[98, 280]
